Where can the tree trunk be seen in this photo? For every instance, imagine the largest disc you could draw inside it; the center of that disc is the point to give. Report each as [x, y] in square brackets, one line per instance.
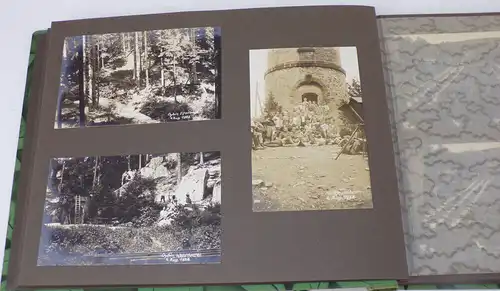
[162, 64]
[124, 44]
[53, 172]
[59, 107]
[81, 87]
[179, 169]
[65, 49]
[193, 67]
[62, 175]
[217, 61]
[84, 67]
[146, 60]
[63, 84]
[100, 55]
[201, 158]
[137, 58]
[94, 180]
[99, 176]
[91, 74]
[175, 83]
[96, 73]
[140, 161]
[134, 75]
[128, 160]
[98, 66]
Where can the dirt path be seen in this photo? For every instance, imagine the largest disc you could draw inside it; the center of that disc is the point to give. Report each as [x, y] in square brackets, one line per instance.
[309, 178]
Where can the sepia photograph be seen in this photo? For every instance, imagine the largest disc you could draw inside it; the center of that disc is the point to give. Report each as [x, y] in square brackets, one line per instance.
[139, 209]
[309, 149]
[140, 77]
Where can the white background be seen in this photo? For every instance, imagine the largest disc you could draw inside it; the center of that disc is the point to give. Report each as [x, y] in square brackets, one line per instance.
[19, 19]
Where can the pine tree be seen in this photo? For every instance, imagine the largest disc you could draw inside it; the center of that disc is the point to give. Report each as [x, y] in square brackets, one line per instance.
[271, 105]
[354, 89]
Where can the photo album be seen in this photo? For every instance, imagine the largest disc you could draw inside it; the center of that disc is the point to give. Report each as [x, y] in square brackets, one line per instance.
[252, 146]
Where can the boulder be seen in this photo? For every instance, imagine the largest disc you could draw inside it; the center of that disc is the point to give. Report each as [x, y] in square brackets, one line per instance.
[216, 196]
[155, 168]
[257, 183]
[165, 186]
[321, 141]
[192, 184]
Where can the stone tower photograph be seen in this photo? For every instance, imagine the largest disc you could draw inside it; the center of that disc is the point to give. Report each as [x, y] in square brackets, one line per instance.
[309, 150]
[312, 74]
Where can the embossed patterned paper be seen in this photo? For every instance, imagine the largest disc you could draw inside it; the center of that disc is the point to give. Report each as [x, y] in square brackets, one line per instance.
[443, 74]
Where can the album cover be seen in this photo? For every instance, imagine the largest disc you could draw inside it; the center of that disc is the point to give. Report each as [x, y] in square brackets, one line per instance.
[215, 147]
[442, 76]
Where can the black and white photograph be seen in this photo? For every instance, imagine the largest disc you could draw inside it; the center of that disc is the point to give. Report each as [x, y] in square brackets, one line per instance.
[139, 209]
[140, 77]
[309, 149]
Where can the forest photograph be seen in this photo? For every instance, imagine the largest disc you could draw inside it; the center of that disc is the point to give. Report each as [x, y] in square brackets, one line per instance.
[140, 77]
[132, 210]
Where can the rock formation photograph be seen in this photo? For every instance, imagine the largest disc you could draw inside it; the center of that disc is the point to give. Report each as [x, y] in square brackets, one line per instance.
[140, 77]
[309, 149]
[133, 210]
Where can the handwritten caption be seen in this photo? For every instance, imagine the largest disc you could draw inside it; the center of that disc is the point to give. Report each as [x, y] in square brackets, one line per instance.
[177, 258]
[180, 115]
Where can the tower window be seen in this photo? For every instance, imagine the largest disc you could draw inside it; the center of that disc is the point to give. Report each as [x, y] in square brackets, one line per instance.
[306, 53]
[308, 78]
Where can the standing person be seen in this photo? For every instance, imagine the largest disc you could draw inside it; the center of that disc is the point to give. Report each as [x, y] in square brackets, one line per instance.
[296, 118]
[286, 120]
[259, 131]
[303, 116]
[269, 130]
[278, 125]
[325, 130]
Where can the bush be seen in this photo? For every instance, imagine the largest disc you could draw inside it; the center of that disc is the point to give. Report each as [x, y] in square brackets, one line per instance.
[209, 110]
[197, 229]
[84, 239]
[137, 204]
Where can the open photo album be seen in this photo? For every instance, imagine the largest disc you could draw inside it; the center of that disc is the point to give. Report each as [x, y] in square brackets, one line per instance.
[251, 146]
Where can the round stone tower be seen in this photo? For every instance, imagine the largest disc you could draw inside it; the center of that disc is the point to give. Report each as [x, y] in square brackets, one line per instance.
[308, 73]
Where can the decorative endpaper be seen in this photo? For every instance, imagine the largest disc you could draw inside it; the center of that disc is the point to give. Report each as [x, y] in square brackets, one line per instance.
[443, 77]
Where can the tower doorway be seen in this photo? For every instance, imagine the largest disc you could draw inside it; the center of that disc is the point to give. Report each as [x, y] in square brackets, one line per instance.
[311, 97]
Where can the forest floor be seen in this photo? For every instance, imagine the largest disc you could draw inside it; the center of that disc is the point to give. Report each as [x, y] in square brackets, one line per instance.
[121, 102]
[309, 178]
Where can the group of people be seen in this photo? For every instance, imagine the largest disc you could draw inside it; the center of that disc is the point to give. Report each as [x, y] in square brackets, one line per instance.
[307, 123]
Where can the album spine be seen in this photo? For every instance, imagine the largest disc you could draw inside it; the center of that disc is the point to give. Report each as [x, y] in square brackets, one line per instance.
[27, 158]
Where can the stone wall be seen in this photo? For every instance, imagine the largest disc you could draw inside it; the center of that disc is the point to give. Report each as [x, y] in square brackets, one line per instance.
[285, 85]
[293, 72]
[281, 56]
